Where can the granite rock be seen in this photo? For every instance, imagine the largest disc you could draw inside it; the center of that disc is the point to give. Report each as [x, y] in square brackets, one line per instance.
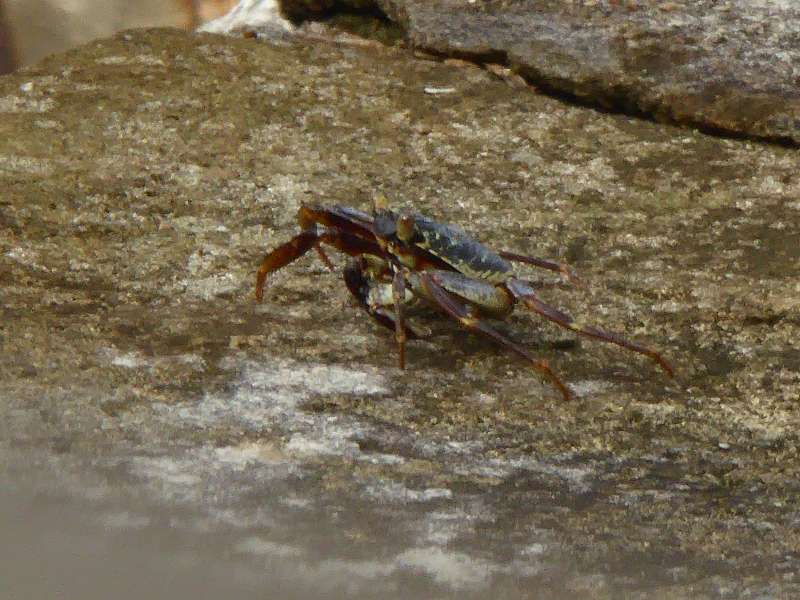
[143, 177]
[731, 66]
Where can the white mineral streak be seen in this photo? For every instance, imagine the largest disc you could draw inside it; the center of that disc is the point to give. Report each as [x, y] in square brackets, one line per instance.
[249, 14]
[270, 395]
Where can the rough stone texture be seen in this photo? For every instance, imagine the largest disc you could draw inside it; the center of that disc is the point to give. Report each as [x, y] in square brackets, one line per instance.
[143, 177]
[731, 66]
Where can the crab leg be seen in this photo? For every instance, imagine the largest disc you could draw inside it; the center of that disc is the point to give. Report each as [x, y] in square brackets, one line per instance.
[283, 255]
[303, 242]
[342, 218]
[399, 297]
[527, 295]
[460, 311]
[561, 268]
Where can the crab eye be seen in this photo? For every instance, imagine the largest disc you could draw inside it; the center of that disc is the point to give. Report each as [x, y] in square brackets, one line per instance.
[381, 203]
[405, 227]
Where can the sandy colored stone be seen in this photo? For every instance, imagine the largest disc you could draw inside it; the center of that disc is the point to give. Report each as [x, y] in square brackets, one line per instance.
[143, 177]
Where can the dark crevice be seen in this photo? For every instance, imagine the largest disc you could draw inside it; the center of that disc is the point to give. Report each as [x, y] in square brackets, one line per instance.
[620, 102]
[616, 102]
[364, 15]
[366, 19]
[322, 11]
[368, 23]
[604, 102]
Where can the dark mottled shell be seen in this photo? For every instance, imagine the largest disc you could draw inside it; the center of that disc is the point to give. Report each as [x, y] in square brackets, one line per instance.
[461, 251]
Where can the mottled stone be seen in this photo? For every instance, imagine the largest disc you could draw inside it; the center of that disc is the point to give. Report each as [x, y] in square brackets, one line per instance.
[143, 177]
[729, 66]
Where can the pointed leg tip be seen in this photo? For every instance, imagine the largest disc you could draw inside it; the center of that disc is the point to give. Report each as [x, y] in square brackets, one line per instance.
[559, 385]
[662, 362]
[544, 366]
[260, 279]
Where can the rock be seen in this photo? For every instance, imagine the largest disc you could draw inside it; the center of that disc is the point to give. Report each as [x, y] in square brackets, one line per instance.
[249, 16]
[143, 177]
[728, 67]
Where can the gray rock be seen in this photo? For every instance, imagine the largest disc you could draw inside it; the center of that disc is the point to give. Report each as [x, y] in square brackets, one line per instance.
[143, 177]
[731, 67]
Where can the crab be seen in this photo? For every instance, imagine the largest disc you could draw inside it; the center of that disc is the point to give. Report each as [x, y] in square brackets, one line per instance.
[399, 257]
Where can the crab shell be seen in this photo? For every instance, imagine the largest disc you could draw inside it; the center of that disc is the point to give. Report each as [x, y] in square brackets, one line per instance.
[462, 252]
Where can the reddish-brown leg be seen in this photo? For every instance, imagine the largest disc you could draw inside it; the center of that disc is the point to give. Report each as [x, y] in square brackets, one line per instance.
[399, 298]
[527, 295]
[303, 242]
[459, 311]
[283, 255]
[324, 258]
[562, 269]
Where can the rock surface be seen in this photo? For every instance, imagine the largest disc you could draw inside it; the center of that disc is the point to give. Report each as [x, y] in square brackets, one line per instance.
[730, 66]
[143, 177]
